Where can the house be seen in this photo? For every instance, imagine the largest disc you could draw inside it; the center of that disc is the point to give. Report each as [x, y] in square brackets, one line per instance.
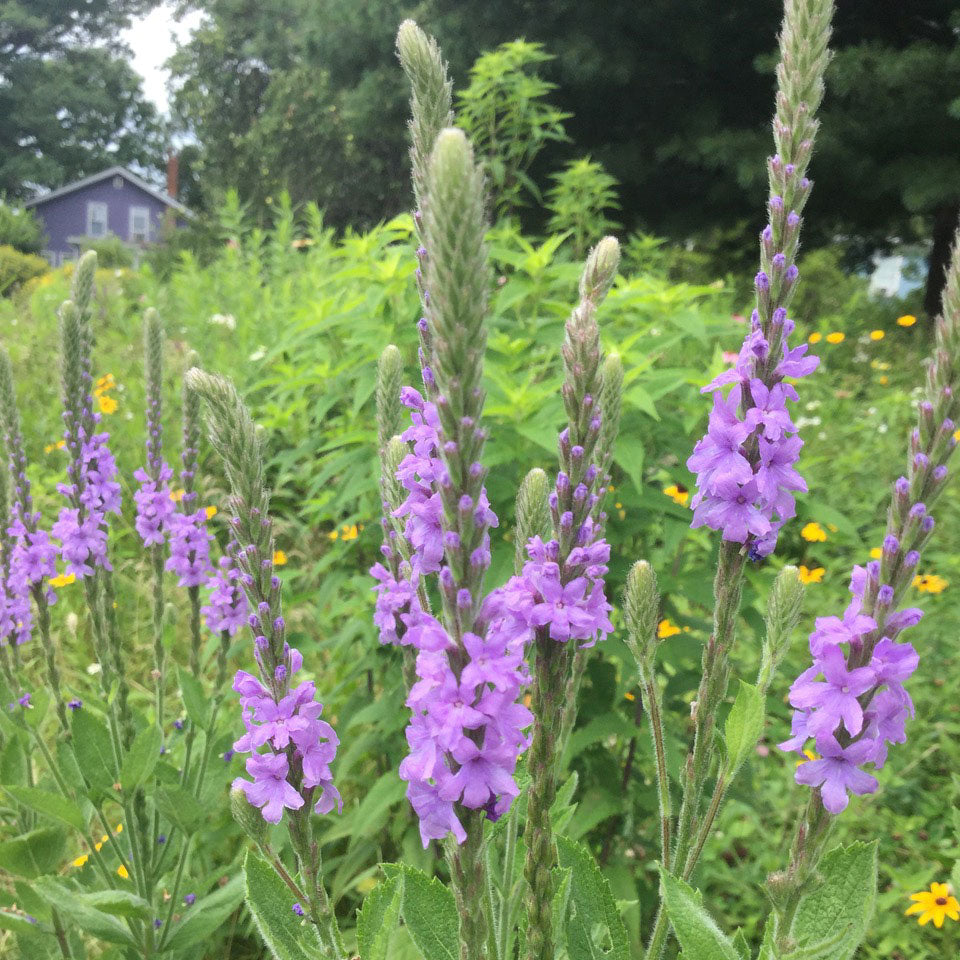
[114, 201]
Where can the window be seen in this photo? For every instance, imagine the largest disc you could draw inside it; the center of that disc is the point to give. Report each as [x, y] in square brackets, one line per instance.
[139, 224]
[118, 183]
[96, 219]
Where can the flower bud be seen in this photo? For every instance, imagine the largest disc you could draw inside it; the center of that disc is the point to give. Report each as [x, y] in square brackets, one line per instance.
[641, 608]
[389, 382]
[600, 270]
[247, 816]
[532, 511]
[784, 608]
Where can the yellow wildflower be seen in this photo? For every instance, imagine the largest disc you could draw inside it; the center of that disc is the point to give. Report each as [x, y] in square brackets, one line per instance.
[106, 382]
[934, 904]
[807, 755]
[877, 334]
[813, 532]
[956, 436]
[210, 512]
[334, 534]
[59, 445]
[678, 493]
[630, 696]
[876, 553]
[836, 337]
[118, 828]
[350, 532]
[907, 320]
[177, 495]
[884, 380]
[122, 872]
[814, 575]
[63, 580]
[279, 558]
[667, 628]
[815, 337]
[81, 860]
[930, 583]
[107, 403]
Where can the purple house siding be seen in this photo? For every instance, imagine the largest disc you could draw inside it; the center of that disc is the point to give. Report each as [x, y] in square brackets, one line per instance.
[68, 217]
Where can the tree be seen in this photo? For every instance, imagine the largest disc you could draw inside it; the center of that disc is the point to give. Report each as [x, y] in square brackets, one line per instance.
[70, 103]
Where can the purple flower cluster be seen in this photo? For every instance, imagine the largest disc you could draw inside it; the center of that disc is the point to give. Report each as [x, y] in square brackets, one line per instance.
[189, 547]
[745, 462]
[155, 506]
[860, 705]
[467, 727]
[226, 607]
[297, 741]
[94, 492]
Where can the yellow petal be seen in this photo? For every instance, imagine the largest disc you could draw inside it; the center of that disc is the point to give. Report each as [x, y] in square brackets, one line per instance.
[907, 320]
[877, 334]
[279, 558]
[81, 860]
[815, 337]
[836, 337]
[210, 512]
[122, 872]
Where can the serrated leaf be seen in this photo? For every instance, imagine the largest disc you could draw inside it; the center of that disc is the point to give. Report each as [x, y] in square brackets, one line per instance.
[697, 932]
[35, 853]
[430, 914]
[206, 915]
[740, 944]
[271, 906]
[744, 725]
[562, 880]
[141, 758]
[72, 906]
[844, 900]
[93, 749]
[378, 918]
[594, 928]
[50, 805]
[179, 806]
[195, 701]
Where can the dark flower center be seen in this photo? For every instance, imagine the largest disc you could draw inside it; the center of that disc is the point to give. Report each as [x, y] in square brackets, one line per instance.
[941, 901]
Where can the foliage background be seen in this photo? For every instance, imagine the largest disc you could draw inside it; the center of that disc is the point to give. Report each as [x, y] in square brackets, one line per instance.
[297, 315]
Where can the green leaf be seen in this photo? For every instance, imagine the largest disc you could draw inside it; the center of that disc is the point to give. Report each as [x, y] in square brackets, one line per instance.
[562, 881]
[744, 725]
[179, 807]
[595, 930]
[121, 903]
[629, 453]
[93, 749]
[430, 914]
[699, 935]
[740, 944]
[271, 906]
[50, 805]
[196, 702]
[19, 924]
[74, 907]
[141, 758]
[34, 854]
[844, 901]
[206, 915]
[378, 918]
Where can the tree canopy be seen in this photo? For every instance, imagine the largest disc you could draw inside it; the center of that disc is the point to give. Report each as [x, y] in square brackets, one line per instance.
[70, 102]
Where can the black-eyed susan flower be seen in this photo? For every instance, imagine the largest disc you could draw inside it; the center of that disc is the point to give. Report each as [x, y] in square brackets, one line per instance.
[836, 337]
[930, 583]
[907, 320]
[667, 628]
[935, 904]
[678, 493]
[815, 337]
[877, 334]
[279, 558]
[813, 532]
[811, 574]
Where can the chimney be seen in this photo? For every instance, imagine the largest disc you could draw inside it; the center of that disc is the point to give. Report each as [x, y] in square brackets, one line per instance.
[173, 175]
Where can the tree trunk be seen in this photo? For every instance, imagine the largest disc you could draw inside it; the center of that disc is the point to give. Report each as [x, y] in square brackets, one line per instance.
[944, 227]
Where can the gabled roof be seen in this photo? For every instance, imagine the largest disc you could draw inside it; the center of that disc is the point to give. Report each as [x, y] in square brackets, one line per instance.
[105, 175]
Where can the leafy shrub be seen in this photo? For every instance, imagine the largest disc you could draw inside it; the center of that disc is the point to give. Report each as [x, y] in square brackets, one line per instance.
[111, 251]
[502, 108]
[17, 268]
[20, 229]
[578, 202]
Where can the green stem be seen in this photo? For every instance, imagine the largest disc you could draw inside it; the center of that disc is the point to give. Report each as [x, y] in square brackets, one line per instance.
[572, 700]
[719, 791]
[652, 704]
[61, 934]
[50, 654]
[505, 922]
[177, 880]
[467, 879]
[547, 699]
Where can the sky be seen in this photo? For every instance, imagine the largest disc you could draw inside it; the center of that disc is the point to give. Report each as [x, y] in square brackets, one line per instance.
[152, 41]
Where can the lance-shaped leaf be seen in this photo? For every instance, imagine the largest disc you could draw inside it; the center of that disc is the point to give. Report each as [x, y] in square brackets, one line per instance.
[698, 933]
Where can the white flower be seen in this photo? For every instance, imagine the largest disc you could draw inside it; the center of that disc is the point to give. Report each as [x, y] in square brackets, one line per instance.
[808, 422]
[93, 669]
[258, 354]
[882, 428]
[812, 405]
[224, 320]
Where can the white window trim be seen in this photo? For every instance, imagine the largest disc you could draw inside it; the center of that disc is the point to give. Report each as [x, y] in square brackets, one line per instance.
[130, 232]
[94, 206]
